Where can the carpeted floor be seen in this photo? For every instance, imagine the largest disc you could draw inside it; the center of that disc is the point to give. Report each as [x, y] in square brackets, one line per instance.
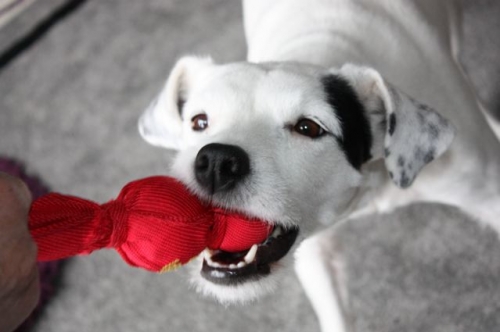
[69, 107]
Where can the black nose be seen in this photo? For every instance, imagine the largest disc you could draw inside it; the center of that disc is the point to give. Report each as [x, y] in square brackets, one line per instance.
[219, 167]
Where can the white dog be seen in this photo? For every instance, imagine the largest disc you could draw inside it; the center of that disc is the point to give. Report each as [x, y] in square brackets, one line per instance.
[340, 106]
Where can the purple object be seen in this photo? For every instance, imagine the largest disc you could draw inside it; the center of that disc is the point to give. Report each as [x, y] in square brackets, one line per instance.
[49, 271]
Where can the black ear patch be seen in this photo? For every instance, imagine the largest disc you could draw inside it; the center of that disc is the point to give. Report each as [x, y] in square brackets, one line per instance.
[357, 137]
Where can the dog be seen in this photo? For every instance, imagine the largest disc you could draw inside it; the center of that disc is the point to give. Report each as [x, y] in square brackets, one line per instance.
[340, 105]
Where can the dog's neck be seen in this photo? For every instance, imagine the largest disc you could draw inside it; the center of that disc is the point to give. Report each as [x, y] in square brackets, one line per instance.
[332, 33]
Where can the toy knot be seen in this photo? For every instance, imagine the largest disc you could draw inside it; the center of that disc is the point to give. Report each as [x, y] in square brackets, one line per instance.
[114, 219]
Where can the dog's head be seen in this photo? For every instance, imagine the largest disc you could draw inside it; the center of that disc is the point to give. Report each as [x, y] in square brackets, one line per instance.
[287, 143]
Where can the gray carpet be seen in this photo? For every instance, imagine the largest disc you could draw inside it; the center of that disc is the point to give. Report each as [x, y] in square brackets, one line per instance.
[69, 108]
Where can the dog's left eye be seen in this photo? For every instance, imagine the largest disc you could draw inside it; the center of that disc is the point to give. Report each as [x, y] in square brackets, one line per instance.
[199, 122]
[308, 128]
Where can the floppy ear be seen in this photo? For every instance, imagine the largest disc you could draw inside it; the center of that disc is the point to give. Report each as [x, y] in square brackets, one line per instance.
[161, 123]
[405, 132]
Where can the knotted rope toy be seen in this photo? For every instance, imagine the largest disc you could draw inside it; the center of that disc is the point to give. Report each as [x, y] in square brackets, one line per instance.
[154, 223]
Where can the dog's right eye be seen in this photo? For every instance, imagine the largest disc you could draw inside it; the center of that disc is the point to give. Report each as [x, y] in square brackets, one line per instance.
[199, 122]
[309, 128]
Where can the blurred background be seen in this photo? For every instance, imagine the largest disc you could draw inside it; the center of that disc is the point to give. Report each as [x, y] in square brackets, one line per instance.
[74, 78]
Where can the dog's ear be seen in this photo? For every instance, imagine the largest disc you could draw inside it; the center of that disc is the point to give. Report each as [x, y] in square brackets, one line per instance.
[161, 123]
[406, 133]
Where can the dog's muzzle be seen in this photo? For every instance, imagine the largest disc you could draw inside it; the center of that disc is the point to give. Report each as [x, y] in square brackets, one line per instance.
[219, 168]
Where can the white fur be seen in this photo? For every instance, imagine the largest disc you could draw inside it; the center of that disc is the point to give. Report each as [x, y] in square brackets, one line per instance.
[401, 48]
[322, 281]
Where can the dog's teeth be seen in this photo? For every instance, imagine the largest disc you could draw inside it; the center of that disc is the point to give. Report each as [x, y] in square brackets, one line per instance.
[250, 256]
[215, 264]
[207, 254]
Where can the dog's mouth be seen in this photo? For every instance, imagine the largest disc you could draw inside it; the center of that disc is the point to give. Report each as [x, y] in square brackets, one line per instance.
[225, 268]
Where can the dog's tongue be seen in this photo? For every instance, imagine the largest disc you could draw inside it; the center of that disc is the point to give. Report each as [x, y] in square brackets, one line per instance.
[234, 232]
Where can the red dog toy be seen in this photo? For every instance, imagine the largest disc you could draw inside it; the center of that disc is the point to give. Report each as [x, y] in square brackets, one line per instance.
[155, 223]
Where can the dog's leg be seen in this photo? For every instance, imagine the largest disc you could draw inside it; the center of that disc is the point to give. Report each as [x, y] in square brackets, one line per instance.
[322, 276]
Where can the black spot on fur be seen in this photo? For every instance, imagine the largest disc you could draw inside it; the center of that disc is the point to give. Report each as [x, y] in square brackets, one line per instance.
[405, 180]
[357, 137]
[391, 175]
[424, 107]
[429, 156]
[425, 155]
[401, 161]
[419, 153]
[433, 131]
[392, 123]
[387, 152]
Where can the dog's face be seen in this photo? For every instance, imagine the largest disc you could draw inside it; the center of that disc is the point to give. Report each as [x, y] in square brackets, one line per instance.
[285, 143]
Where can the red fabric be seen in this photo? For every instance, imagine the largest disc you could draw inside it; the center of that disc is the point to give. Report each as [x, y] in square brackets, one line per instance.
[153, 222]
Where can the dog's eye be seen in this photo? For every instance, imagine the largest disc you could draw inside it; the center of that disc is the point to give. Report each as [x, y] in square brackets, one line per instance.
[309, 128]
[199, 122]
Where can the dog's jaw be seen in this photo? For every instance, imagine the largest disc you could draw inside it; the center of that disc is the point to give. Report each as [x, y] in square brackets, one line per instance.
[242, 293]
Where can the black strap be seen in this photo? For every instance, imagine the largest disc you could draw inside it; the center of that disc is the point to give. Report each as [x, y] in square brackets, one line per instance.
[38, 31]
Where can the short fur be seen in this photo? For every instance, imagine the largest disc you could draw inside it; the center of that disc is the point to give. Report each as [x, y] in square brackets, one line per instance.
[350, 66]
